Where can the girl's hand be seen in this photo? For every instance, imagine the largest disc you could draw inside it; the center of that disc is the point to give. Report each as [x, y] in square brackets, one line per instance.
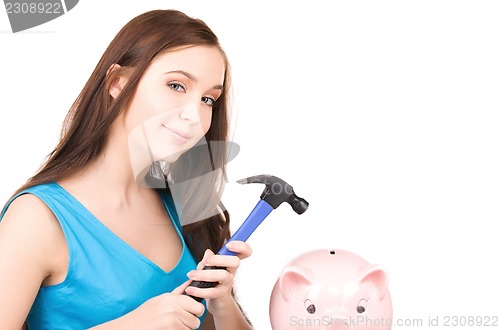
[219, 296]
[173, 311]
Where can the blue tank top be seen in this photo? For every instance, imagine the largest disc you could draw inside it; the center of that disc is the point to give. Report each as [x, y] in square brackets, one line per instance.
[106, 277]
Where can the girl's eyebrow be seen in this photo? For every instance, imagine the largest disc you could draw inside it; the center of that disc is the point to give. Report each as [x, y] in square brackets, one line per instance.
[191, 77]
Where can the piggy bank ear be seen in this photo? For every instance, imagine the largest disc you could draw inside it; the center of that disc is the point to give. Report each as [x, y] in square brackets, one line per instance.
[293, 278]
[377, 277]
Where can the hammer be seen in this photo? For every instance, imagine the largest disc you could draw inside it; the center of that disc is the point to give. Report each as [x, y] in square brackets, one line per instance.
[276, 192]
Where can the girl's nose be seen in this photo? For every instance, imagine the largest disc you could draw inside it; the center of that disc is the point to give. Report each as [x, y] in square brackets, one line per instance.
[190, 112]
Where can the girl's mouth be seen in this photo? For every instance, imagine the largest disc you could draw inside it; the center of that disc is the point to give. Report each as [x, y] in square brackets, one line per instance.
[179, 136]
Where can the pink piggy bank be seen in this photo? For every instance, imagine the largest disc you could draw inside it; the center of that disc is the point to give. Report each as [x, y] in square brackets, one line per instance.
[331, 289]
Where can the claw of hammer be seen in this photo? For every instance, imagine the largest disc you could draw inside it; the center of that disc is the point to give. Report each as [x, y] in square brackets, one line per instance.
[278, 191]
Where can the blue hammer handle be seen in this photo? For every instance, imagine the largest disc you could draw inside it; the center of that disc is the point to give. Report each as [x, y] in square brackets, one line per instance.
[254, 219]
[276, 192]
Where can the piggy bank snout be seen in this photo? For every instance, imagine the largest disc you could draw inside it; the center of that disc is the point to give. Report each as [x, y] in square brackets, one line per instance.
[338, 323]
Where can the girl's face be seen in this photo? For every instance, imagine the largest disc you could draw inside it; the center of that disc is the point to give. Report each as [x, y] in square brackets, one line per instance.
[171, 109]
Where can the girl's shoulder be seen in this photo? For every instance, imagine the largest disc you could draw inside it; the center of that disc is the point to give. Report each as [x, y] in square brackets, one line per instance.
[29, 224]
[30, 246]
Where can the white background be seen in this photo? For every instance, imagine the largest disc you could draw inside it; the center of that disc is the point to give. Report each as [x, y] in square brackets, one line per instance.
[384, 115]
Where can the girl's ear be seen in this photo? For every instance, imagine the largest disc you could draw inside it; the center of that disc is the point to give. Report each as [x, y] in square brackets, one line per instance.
[116, 80]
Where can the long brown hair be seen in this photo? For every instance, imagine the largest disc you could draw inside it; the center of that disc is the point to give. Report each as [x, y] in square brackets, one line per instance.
[88, 121]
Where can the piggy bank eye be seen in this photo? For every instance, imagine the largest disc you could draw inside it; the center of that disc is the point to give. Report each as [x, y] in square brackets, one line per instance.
[361, 308]
[309, 305]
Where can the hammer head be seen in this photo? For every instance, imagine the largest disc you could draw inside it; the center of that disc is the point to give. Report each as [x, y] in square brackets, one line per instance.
[278, 191]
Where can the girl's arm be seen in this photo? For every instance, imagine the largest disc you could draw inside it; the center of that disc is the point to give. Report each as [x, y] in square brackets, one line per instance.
[221, 304]
[30, 248]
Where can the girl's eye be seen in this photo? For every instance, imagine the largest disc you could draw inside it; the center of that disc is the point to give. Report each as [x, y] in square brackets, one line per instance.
[208, 100]
[176, 87]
